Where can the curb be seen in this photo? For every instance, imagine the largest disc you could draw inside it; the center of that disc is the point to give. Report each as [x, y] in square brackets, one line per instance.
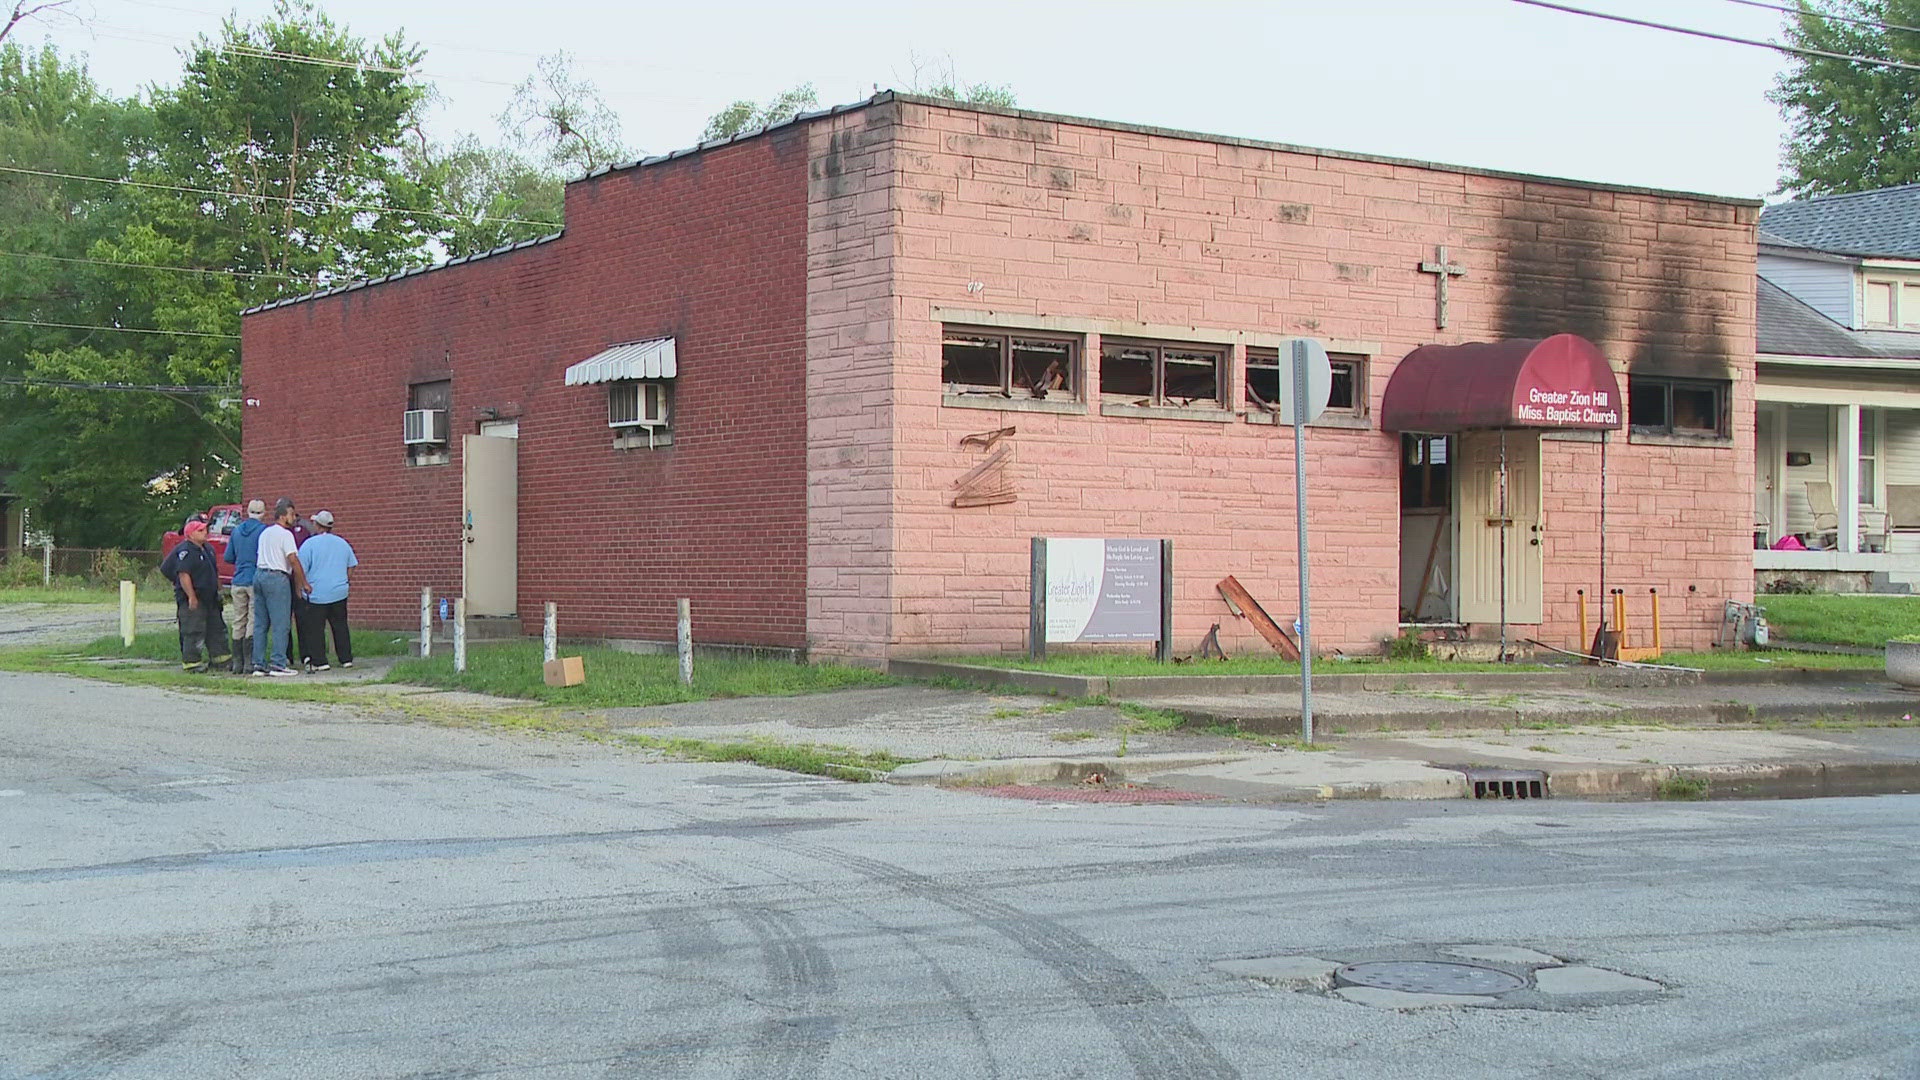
[1707, 715]
[1138, 687]
[942, 772]
[1778, 780]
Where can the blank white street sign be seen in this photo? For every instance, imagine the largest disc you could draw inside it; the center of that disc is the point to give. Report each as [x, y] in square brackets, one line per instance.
[1319, 379]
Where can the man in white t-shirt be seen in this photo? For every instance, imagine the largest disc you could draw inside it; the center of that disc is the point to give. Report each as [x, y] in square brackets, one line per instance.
[277, 575]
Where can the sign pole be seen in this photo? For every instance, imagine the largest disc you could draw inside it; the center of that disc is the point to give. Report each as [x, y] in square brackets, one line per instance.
[1299, 403]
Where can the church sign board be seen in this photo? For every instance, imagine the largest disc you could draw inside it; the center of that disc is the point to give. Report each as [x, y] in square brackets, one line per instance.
[1100, 590]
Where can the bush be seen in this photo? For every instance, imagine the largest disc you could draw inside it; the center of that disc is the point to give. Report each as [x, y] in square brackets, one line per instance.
[1789, 587]
[20, 571]
[1408, 646]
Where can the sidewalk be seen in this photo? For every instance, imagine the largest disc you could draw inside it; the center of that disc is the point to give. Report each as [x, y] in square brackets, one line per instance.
[971, 739]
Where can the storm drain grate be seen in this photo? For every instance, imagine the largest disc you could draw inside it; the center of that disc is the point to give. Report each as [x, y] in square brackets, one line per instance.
[1428, 977]
[1507, 783]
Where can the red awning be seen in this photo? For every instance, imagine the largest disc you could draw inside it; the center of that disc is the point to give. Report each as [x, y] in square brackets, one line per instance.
[1561, 382]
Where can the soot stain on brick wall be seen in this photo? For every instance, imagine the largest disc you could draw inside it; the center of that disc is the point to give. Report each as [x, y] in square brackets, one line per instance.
[1677, 338]
[1549, 274]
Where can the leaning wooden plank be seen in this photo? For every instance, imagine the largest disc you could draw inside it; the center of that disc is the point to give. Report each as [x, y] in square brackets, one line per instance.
[992, 498]
[985, 439]
[1238, 596]
[998, 457]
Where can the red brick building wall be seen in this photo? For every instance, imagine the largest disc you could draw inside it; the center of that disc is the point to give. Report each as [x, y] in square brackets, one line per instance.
[710, 248]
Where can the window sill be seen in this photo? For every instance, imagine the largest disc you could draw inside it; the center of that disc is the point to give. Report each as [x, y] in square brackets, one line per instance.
[1014, 404]
[640, 440]
[1166, 412]
[1327, 420]
[1661, 438]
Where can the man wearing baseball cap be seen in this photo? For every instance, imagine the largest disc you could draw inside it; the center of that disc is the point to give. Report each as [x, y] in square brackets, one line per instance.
[243, 552]
[326, 558]
[196, 594]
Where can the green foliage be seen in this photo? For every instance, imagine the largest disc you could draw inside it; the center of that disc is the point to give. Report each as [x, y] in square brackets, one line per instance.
[1409, 645]
[1789, 587]
[744, 115]
[1679, 788]
[615, 678]
[298, 182]
[1851, 126]
[936, 77]
[560, 122]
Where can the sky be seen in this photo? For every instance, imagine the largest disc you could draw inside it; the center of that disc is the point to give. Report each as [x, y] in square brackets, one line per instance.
[1484, 83]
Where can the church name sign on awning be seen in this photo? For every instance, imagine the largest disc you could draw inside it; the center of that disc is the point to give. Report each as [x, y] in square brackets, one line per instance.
[1560, 382]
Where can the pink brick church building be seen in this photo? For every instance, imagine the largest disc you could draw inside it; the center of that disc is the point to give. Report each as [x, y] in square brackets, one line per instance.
[828, 380]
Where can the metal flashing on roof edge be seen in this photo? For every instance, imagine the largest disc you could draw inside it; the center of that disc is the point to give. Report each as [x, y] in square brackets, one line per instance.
[396, 276]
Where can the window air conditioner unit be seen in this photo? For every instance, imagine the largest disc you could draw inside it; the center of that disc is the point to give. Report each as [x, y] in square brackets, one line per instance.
[424, 427]
[637, 404]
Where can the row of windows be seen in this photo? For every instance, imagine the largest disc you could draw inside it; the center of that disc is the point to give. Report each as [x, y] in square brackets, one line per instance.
[1163, 374]
[1891, 304]
[639, 411]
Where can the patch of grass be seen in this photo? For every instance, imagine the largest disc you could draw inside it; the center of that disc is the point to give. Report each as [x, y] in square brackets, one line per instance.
[1538, 749]
[1296, 744]
[1119, 665]
[1146, 717]
[1005, 713]
[838, 763]
[63, 660]
[164, 644]
[615, 678]
[1072, 736]
[1678, 788]
[1772, 659]
[68, 594]
[1833, 619]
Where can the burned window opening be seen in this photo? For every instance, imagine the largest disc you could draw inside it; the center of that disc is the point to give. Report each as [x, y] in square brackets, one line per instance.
[1663, 406]
[1426, 475]
[1345, 396]
[1177, 376]
[1009, 365]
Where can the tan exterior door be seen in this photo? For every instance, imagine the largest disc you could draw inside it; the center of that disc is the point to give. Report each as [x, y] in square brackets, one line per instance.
[1478, 500]
[490, 524]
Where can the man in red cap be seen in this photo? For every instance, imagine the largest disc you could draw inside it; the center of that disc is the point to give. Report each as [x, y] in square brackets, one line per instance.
[195, 572]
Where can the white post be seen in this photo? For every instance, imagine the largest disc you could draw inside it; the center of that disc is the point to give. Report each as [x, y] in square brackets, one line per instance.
[126, 613]
[426, 621]
[685, 635]
[1849, 494]
[550, 633]
[459, 633]
[46, 564]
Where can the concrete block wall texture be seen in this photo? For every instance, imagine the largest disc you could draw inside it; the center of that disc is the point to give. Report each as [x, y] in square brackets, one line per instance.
[1145, 234]
[712, 249]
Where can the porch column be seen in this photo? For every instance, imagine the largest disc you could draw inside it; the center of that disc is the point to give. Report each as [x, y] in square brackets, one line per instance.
[1849, 494]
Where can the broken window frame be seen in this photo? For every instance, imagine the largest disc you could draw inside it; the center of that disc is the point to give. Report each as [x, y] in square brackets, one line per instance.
[1664, 387]
[1159, 354]
[1016, 375]
[1355, 365]
[431, 394]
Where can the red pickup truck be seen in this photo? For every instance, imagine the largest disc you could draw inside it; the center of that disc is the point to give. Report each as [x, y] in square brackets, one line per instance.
[221, 521]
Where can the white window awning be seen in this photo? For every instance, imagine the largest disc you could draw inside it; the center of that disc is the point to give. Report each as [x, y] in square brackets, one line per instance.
[651, 359]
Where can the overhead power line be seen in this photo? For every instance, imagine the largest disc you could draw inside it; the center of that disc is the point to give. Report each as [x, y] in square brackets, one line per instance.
[1827, 16]
[150, 266]
[1670, 28]
[150, 388]
[274, 198]
[117, 329]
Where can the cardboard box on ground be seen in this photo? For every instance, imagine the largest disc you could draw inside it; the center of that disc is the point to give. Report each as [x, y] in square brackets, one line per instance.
[566, 671]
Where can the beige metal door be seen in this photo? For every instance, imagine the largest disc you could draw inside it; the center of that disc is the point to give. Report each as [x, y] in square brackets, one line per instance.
[490, 524]
[1478, 495]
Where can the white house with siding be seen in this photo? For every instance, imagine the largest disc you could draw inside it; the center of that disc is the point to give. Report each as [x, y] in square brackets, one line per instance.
[1837, 432]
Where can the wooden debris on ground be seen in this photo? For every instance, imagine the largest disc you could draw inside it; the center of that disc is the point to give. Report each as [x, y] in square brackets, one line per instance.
[1241, 603]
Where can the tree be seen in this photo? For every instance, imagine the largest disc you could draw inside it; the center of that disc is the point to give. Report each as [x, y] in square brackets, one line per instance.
[935, 77]
[560, 121]
[29, 9]
[489, 196]
[744, 115]
[260, 176]
[1851, 126]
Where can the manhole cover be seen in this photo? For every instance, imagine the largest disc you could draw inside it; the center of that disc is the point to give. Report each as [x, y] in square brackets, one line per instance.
[1428, 977]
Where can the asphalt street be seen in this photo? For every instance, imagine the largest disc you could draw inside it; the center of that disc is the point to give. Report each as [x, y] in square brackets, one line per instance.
[196, 887]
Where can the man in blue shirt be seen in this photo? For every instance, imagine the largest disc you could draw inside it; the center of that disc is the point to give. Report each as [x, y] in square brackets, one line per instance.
[326, 558]
[243, 551]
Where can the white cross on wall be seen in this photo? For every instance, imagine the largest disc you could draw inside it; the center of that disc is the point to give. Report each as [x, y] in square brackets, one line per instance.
[1442, 269]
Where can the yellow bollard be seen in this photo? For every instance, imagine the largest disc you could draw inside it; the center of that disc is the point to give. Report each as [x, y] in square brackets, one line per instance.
[1585, 642]
[1656, 621]
[126, 613]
